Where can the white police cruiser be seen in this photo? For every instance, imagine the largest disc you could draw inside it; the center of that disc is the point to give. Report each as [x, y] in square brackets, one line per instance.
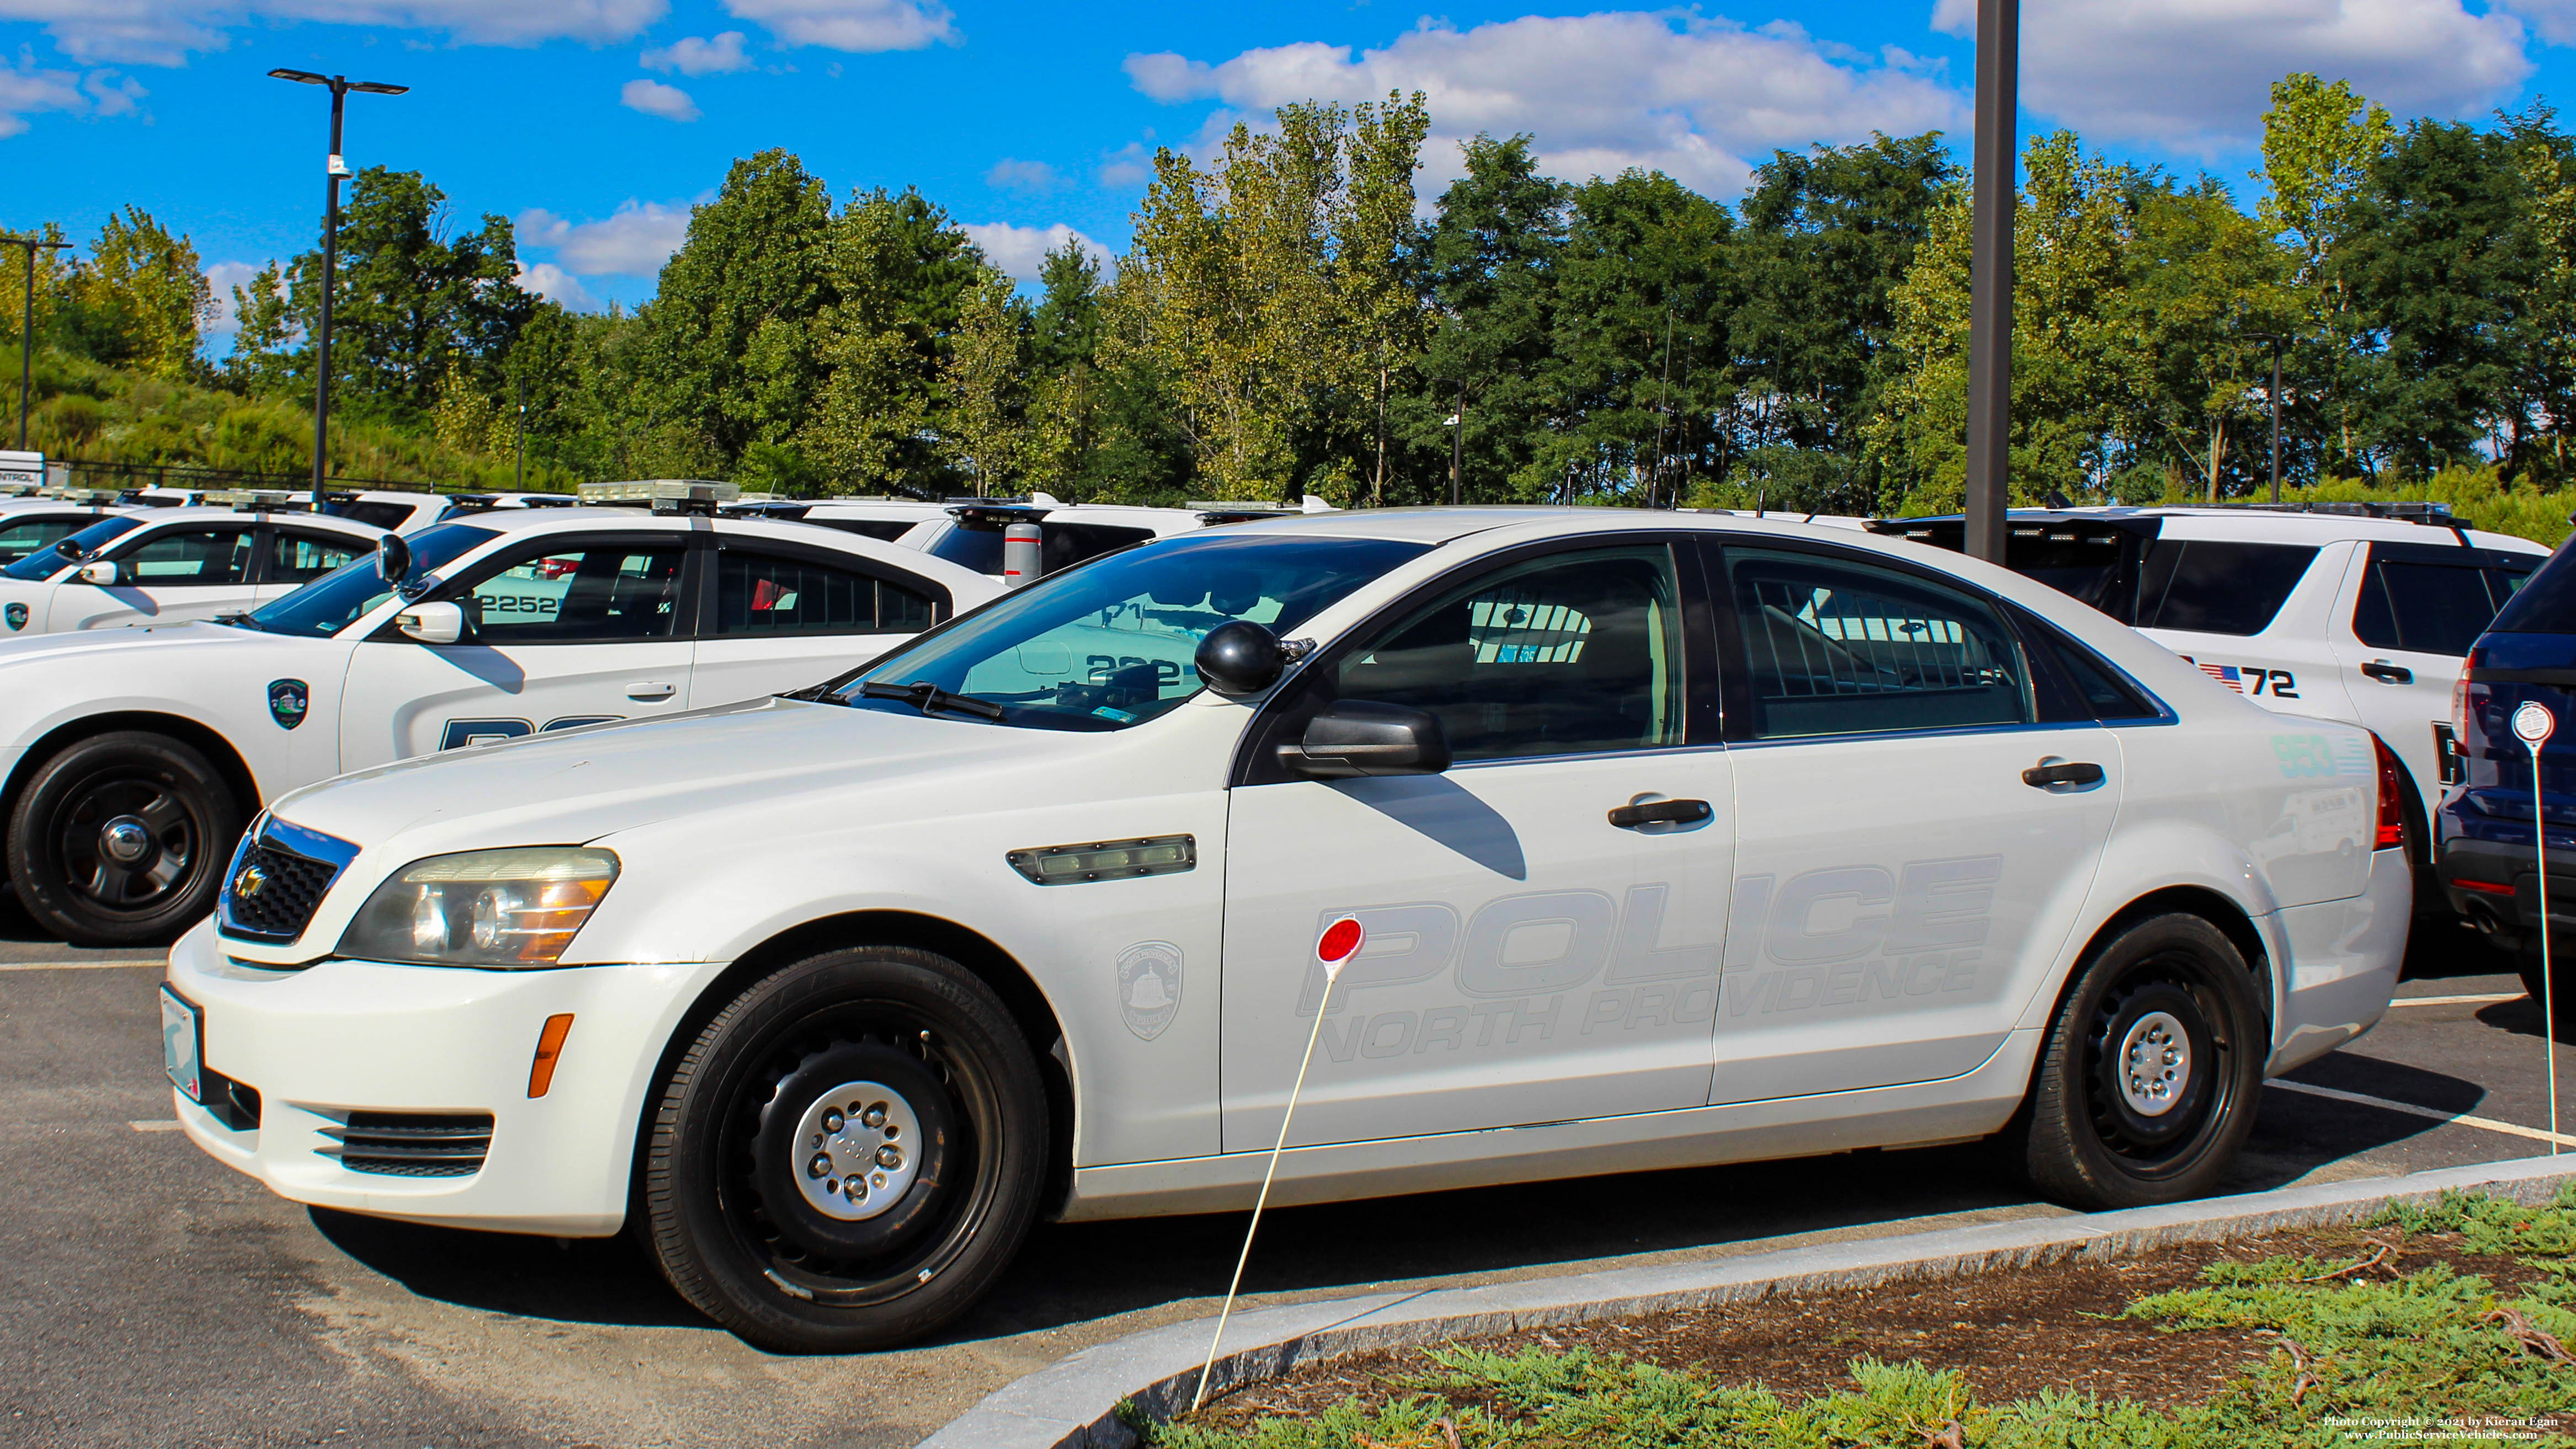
[2355, 612]
[132, 757]
[1675, 840]
[168, 565]
[31, 519]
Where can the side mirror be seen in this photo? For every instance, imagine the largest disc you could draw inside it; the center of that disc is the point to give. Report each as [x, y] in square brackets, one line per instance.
[432, 623]
[1364, 737]
[393, 561]
[103, 573]
[1240, 658]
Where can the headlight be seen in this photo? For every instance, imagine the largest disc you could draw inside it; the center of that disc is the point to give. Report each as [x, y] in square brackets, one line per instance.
[482, 908]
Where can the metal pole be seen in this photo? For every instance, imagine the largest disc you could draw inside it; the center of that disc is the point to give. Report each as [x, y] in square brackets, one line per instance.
[1664, 409]
[1990, 279]
[330, 266]
[1458, 444]
[27, 350]
[521, 480]
[2276, 419]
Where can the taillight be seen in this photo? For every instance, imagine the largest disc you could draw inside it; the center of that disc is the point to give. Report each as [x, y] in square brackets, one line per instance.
[2460, 705]
[2392, 800]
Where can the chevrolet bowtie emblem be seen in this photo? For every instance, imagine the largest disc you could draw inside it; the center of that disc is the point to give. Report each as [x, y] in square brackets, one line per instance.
[250, 882]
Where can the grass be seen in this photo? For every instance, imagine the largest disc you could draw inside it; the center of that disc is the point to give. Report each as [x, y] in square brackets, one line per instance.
[2356, 1341]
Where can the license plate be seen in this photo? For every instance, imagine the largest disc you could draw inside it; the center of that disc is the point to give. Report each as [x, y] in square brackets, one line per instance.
[182, 1043]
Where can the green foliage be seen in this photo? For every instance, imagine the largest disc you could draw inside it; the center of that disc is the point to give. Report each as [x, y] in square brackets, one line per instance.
[2430, 1345]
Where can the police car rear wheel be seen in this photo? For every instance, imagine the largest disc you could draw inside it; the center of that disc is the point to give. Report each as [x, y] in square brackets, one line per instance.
[2147, 1083]
[848, 1154]
[121, 839]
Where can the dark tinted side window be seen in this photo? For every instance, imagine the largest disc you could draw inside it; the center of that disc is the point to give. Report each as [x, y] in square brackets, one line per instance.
[601, 594]
[2546, 602]
[2211, 587]
[1833, 647]
[189, 556]
[885, 530]
[979, 549]
[380, 514]
[300, 558]
[1068, 544]
[2434, 608]
[24, 536]
[758, 593]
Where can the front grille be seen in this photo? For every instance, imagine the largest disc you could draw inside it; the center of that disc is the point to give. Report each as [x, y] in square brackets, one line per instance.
[412, 1144]
[288, 887]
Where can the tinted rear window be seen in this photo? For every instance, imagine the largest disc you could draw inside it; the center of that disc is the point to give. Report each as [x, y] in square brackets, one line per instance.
[2428, 607]
[2210, 587]
[884, 530]
[2546, 603]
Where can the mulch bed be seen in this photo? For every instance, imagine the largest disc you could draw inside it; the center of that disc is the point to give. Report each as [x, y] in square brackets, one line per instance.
[2012, 1332]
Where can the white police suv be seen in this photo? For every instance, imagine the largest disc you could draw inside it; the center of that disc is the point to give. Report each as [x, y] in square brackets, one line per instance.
[132, 757]
[1673, 840]
[167, 565]
[2362, 613]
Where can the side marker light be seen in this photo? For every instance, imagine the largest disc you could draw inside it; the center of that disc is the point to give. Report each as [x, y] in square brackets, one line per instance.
[541, 1072]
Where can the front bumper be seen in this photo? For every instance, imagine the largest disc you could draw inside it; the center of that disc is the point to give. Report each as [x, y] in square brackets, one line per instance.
[352, 1036]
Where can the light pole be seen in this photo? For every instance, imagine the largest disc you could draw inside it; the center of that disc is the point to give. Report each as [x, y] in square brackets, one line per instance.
[520, 480]
[333, 170]
[1990, 278]
[1458, 443]
[27, 329]
[2276, 339]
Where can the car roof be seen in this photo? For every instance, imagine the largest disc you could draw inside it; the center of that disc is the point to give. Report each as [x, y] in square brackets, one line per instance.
[211, 511]
[2285, 525]
[512, 521]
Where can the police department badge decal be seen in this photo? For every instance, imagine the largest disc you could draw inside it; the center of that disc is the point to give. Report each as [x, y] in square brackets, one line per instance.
[1149, 987]
[16, 615]
[286, 701]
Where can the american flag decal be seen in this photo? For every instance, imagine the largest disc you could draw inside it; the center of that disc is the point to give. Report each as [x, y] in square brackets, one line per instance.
[2226, 674]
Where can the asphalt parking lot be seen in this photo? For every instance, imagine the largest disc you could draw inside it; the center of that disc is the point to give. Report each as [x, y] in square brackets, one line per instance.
[156, 1299]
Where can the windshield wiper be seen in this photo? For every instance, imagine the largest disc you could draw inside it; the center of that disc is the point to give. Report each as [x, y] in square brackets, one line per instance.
[239, 619]
[927, 697]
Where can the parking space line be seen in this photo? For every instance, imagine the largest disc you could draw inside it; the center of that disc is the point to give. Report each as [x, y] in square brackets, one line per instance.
[155, 1124]
[2514, 1129]
[2455, 1000]
[76, 965]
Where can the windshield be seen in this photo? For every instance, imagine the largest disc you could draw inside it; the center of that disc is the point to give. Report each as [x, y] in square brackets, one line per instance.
[979, 549]
[44, 563]
[343, 596]
[1111, 644]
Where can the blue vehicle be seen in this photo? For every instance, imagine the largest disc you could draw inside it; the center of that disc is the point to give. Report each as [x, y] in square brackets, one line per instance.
[2487, 831]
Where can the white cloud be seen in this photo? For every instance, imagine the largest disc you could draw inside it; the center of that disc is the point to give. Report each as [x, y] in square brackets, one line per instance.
[1129, 165]
[1019, 251]
[26, 89]
[633, 241]
[162, 32]
[656, 99]
[1701, 99]
[2197, 74]
[2554, 19]
[691, 56]
[556, 285]
[1030, 176]
[855, 25]
[222, 277]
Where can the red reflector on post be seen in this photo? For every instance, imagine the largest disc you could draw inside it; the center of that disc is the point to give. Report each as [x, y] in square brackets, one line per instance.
[541, 1072]
[2392, 800]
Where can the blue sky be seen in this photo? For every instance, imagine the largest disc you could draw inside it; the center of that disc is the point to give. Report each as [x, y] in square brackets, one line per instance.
[593, 124]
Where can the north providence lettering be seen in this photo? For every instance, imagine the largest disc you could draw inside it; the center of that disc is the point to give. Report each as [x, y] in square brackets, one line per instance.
[1841, 936]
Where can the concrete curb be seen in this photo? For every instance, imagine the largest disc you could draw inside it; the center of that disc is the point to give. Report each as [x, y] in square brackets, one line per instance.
[1072, 1404]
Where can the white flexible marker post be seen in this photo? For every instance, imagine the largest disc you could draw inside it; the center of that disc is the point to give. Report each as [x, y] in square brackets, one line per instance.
[1339, 943]
[2532, 724]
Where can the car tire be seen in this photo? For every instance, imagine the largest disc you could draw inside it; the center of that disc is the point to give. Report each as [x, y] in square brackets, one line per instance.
[894, 1071]
[2171, 1000]
[121, 839]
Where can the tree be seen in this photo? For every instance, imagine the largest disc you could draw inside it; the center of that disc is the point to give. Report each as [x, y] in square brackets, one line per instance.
[987, 428]
[1490, 264]
[1375, 250]
[2319, 144]
[412, 302]
[141, 297]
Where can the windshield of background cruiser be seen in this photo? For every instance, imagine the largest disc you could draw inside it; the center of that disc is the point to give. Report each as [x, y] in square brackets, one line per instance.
[44, 563]
[343, 596]
[1111, 643]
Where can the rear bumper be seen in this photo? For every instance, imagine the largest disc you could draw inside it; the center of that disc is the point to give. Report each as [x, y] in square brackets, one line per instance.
[2496, 884]
[2339, 962]
[353, 1036]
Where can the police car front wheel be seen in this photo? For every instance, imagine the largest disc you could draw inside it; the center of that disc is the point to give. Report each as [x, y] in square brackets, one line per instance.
[848, 1154]
[2147, 1082]
[121, 839]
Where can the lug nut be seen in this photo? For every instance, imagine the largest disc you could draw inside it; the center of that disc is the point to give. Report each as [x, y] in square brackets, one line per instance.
[856, 1187]
[889, 1156]
[821, 1166]
[831, 1121]
[874, 1116]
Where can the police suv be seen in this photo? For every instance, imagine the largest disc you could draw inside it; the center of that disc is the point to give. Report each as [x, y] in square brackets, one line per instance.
[1671, 840]
[2358, 612]
[133, 756]
[166, 565]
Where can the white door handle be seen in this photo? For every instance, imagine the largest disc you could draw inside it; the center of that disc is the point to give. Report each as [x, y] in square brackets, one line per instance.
[650, 689]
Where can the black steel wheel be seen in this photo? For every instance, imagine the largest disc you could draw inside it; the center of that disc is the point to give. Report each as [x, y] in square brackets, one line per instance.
[2147, 1084]
[121, 839]
[848, 1154]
